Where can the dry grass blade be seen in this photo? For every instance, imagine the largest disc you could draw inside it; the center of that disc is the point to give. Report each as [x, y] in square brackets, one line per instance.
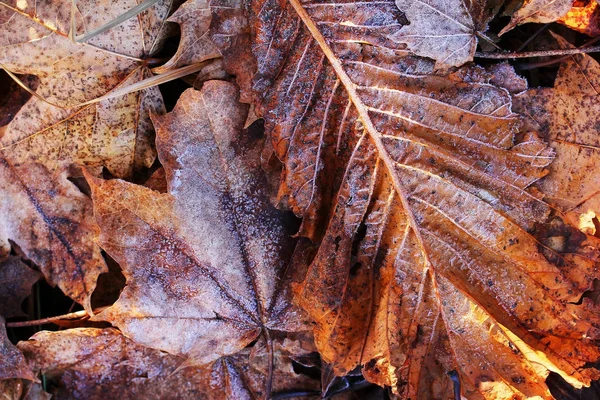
[117, 21]
[150, 82]
[136, 87]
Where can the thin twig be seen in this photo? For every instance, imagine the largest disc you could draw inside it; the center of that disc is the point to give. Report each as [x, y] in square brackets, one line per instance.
[533, 65]
[50, 320]
[542, 53]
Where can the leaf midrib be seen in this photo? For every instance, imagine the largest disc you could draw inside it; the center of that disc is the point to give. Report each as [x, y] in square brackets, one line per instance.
[364, 116]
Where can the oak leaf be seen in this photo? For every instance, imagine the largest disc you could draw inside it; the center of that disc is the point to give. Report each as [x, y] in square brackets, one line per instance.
[45, 215]
[205, 262]
[88, 363]
[16, 280]
[424, 184]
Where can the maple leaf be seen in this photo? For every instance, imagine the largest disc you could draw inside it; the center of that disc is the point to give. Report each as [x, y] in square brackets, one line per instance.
[16, 280]
[45, 215]
[443, 30]
[565, 115]
[204, 262]
[426, 265]
[538, 11]
[89, 363]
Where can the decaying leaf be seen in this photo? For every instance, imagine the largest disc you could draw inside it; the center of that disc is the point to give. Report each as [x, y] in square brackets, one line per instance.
[443, 30]
[44, 213]
[566, 115]
[426, 266]
[205, 262]
[87, 363]
[16, 280]
[12, 362]
[538, 11]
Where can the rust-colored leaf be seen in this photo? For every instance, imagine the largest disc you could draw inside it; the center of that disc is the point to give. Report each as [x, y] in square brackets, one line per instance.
[87, 363]
[204, 262]
[16, 280]
[584, 18]
[423, 182]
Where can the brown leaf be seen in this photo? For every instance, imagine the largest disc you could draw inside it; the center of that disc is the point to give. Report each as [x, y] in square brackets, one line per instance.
[569, 116]
[538, 11]
[205, 262]
[102, 363]
[46, 216]
[426, 266]
[16, 280]
[12, 362]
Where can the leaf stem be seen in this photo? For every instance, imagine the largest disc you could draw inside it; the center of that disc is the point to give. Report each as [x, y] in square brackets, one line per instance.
[270, 355]
[50, 320]
[541, 53]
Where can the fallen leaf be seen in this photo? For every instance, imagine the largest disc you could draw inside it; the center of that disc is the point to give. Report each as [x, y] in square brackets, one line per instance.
[12, 362]
[115, 133]
[565, 114]
[538, 11]
[88, 363]
[426, 266]
[443, 30]
[16, 280]
[51, 222]
[46, 216]
[205, 262]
